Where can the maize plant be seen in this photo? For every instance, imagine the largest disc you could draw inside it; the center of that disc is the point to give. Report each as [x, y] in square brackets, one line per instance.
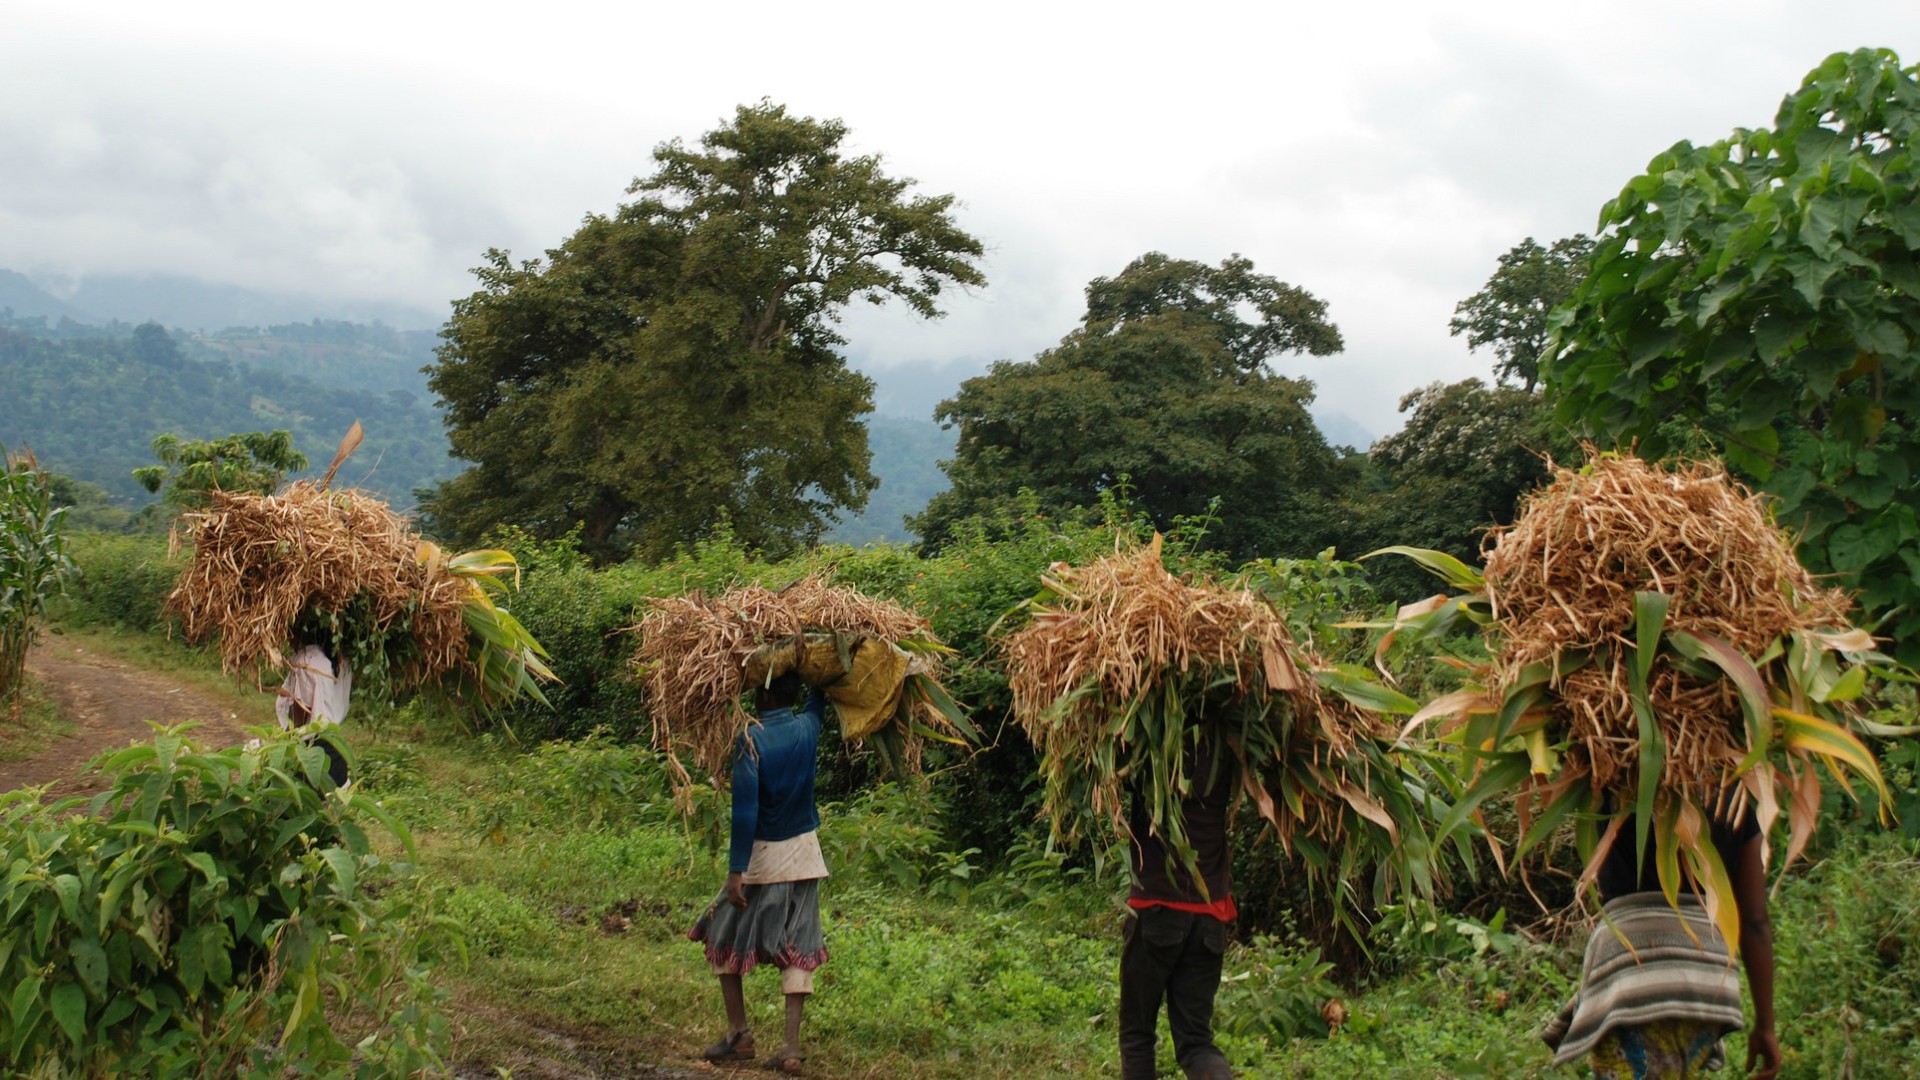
[1659, 660]
[33, 564]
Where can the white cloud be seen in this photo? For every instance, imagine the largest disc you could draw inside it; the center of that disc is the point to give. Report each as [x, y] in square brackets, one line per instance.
[1379, 155]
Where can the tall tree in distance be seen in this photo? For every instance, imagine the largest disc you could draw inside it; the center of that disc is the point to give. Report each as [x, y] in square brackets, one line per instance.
[1164, 386]
[1510, 313]
[673, 366]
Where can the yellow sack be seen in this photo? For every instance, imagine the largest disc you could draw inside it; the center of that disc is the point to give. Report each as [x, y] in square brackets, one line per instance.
[865, 693]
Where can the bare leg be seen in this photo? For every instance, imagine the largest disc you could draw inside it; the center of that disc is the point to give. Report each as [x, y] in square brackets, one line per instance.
[736, 999]
[796, 1004]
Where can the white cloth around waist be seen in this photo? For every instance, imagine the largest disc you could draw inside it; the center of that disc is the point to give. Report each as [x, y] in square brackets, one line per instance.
[795, 859]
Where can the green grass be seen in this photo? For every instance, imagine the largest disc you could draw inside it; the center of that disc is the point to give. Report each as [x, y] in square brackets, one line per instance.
[574, 879]
[34, 725]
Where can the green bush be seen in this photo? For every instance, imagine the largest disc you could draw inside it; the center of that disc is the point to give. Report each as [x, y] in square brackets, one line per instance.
[208, 915]
[122, 581]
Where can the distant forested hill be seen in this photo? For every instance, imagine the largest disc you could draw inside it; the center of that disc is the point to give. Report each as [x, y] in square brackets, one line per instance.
[906, 457]
[375, 357]
[90, 407]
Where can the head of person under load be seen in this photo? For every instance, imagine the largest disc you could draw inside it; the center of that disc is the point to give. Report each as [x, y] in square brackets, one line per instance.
[783, 692]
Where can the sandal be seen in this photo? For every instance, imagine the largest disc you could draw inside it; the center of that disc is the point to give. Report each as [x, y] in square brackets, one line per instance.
[729, 1049]
[792, 1066]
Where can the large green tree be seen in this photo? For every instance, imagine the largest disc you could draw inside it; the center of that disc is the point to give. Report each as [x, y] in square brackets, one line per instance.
[1761, 296]
[1165, 385]
[673, 366]
[1509, 314]
[1460, 464]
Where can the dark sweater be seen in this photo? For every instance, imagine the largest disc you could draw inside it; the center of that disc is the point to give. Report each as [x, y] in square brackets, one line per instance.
[773, 771]
[1624, 871]
[1158, 873]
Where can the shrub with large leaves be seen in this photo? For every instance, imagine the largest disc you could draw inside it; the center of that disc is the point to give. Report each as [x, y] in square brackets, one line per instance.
[207, 915]
[1763, 293]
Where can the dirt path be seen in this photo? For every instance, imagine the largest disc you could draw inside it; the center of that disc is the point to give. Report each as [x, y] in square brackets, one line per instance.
[109, 702]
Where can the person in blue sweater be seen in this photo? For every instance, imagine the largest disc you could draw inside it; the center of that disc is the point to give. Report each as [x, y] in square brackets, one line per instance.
[769, 910]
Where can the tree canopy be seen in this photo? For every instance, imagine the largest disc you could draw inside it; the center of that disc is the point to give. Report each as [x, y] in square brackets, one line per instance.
[1761, 295]
[1465, 456]
[1510, 313]
[1164, 387]
[673, 366]
[252, 461]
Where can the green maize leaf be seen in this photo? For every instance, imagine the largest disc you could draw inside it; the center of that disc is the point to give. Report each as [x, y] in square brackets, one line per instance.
[1575, 796]
[1748, 681]
[1541, 756]
[1717, 889]
[1886, 731]
[1528, 688]
[1353, 683]
[1653, 758]
[1847, 687]
[1810, 734]
[1502, 775]
[936, 695]
[1667, 852]
[1649, 622]
[1440, 564]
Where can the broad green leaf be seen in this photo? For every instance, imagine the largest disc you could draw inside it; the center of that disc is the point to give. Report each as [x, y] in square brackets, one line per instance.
[1449, 569]
[90, 965]
[70, 1011]
[1365, 691]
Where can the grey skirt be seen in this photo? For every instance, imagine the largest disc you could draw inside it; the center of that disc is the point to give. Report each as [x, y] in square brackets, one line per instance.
[780, 926]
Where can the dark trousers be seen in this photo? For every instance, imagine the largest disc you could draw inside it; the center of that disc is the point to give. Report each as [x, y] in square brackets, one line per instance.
[1172, 956]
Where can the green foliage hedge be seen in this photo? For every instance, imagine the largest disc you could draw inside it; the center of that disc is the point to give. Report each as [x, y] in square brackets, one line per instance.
[122, 581]
[208, 915]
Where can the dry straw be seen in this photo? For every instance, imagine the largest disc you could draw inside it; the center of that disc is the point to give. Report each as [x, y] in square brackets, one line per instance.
[261, 562]
[1563, 579]
[693, 650]
[1122, 660]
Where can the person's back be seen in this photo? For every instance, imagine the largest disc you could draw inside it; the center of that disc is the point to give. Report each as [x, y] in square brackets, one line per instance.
[769, 909]
[774, 769]
[1175, 938]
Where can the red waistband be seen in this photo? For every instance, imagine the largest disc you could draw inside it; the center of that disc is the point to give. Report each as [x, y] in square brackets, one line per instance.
[1221, 909]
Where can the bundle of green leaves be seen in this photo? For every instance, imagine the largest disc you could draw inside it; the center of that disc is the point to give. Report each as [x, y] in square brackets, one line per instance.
[1659, 657]
[1124, 671]
[208, 915]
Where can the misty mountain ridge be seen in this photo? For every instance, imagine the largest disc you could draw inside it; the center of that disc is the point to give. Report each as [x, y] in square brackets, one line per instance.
[176, 301]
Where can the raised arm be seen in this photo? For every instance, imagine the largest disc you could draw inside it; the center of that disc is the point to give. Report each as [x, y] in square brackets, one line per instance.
[1749, 874]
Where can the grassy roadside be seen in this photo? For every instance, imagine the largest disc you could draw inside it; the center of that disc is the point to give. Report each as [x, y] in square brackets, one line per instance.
[573, 877]
[33, 727]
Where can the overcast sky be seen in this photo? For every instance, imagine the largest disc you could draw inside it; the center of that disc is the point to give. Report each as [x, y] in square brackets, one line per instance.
[1380, 155]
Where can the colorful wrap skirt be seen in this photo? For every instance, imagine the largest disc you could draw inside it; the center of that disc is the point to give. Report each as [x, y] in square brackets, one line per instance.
[780, 926]
[1662, 1050]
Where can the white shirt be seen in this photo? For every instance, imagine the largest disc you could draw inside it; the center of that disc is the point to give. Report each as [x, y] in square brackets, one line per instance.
[312, 683]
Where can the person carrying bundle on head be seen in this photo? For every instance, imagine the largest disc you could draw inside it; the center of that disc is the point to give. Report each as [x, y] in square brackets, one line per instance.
[314, 697]
[1175, 936]
[1657, 987]
[769, 909]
